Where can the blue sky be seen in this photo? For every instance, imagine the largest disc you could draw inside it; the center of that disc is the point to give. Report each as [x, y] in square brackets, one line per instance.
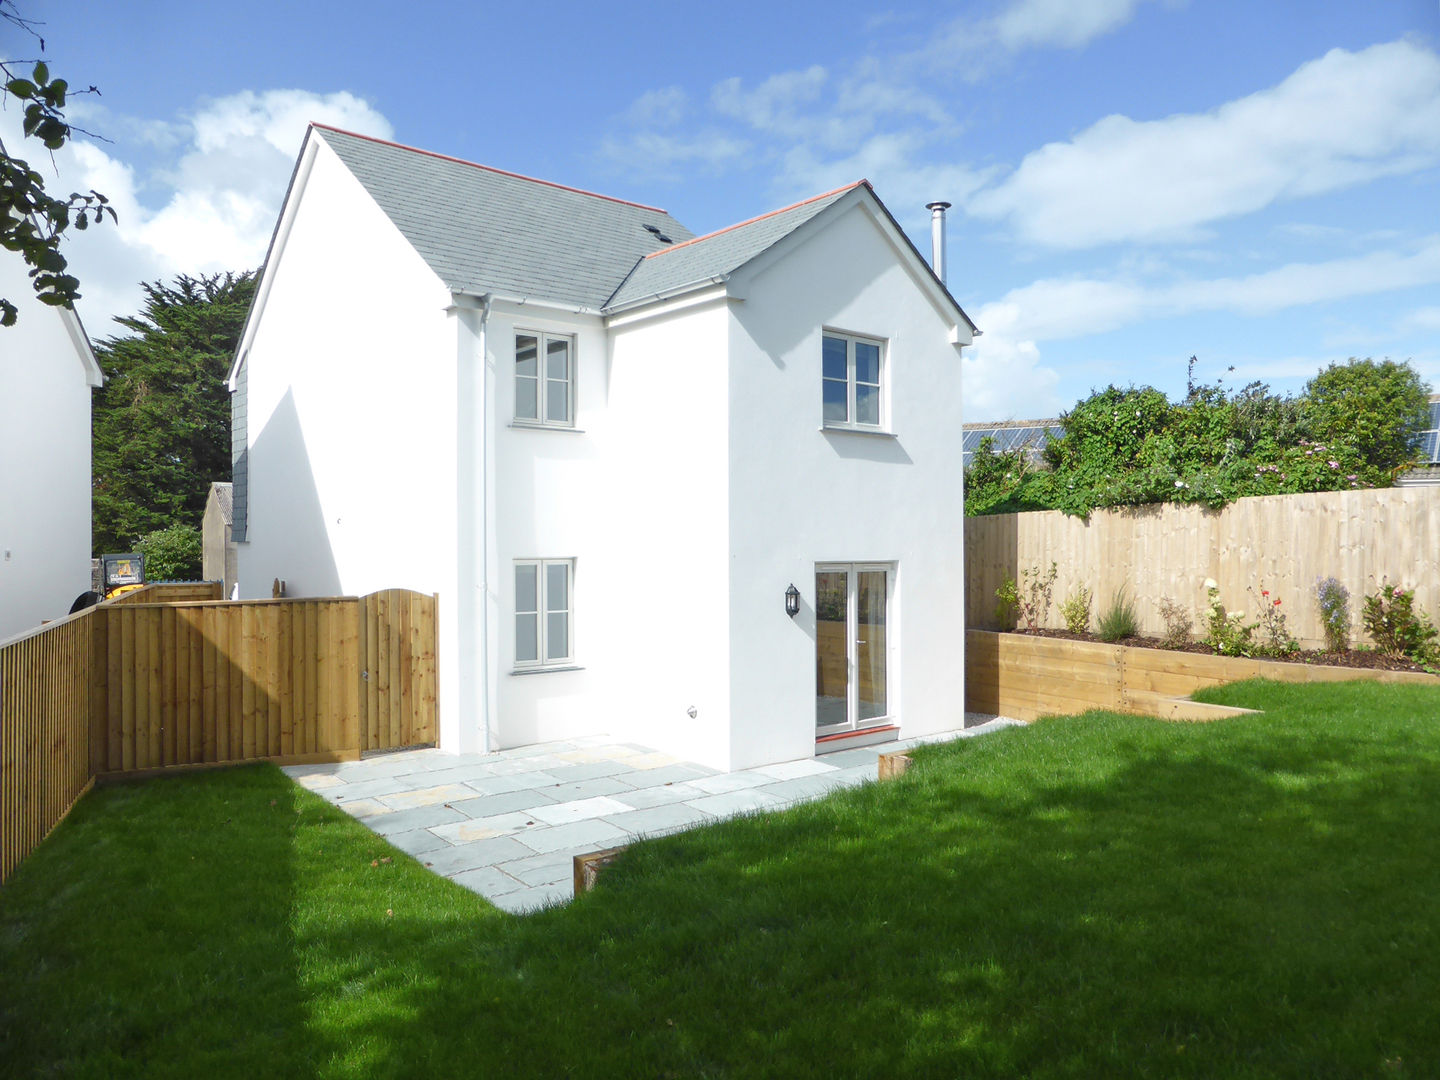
[1134, 181]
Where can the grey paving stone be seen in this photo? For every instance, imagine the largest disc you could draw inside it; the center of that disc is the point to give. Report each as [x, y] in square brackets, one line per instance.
[589, 770]
[658, 820]
[490, 805]
[852, 759]
[418, 841]
[457, 774]
[578, 810]
[804, 787]
[586, 789]
[487, 881]
[794, 770]
[499, 785]
[735, 781]
[422, 817]
[530, 900]
[456, 859]
[363, 789]
[441, 760]
[664, 795]
[579, 836]
[541, 869]
[373, 769]
[665, 774]
[736, 802]
[472, 829]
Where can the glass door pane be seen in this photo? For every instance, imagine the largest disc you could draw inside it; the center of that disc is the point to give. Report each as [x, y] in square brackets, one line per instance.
[870, 643]
[832, 659]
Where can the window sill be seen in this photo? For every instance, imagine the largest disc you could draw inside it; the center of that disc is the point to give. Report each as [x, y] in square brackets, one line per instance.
[546, 669]
[850, 429]
[527, 426]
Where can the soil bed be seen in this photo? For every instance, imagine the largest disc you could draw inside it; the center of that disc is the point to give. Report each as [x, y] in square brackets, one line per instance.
[1353, 658]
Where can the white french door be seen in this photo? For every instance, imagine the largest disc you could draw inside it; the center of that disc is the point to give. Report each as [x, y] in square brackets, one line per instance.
[852, 606]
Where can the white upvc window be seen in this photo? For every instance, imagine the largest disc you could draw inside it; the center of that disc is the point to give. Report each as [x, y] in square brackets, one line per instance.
[852, 381]
[544, 612]
[544, 378]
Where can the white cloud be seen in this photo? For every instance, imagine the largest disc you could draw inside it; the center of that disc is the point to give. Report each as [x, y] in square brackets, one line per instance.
[221, 179]
[1065, 24]
[1003, 376]
[1342, 120]
[664, 108]
[773, 106]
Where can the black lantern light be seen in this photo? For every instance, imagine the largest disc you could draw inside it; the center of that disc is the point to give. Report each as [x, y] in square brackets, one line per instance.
[792, 601]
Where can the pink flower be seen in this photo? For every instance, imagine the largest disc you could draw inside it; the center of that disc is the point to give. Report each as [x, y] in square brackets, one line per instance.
[1398, 592]
[1333, 464]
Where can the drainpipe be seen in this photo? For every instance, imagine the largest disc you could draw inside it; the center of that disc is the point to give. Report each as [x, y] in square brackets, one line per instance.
[482, 368]
[937, 237]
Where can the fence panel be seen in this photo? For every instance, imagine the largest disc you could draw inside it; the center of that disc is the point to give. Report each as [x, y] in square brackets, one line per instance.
[173, 592]
[45, 745]
[397, 668]
[1281, 543]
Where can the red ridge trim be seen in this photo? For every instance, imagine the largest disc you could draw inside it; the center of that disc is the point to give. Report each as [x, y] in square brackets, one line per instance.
[762, 217]
[487, 168]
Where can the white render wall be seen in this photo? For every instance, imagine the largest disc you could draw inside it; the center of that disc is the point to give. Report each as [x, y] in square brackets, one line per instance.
[44, 461]
[352, 396]
[801, 496]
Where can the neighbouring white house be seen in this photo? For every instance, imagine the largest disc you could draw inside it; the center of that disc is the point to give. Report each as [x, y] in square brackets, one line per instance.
[699, 493]
[47, 371]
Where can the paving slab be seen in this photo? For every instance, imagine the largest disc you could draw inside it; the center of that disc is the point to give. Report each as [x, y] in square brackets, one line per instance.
[421, 817]
[578, 810]
[588, 771]
[501, 783]
[793, 770]
[585, 789]
[488, 881]
[733, 781]
[729, 803]
[490, 805]
[803, 787]
[663, 795]
[527, 901]
[449, 861]
[659, 820]
[418, 841]
[579, 836]
[542, 869]
[427, 796]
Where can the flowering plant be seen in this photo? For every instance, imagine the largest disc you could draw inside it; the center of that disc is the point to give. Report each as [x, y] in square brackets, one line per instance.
[1398, 627]
[1275, 639]
[1334, 601]
[1227, 632]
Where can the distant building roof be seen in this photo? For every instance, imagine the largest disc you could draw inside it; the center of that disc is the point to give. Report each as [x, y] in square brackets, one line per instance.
[223, 492]
[1030, 435]
[486, 230]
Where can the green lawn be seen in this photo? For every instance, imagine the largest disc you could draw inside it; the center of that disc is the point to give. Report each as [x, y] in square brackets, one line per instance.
[1098, 896]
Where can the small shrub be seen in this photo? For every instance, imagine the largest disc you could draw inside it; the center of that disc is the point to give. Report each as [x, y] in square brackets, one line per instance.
[1275, 639]
[1075, 610]
[1119, 620]
[1227, 632]
[172, 554]
[1398, 627]
[1007, 603]
[1178, 623]
[1039, 589]
[1334, 601]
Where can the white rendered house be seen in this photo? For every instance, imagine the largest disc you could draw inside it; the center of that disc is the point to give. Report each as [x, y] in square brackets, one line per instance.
[611, 447]
[47, 370]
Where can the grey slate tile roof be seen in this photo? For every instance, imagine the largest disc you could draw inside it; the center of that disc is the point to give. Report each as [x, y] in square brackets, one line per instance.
[719, 253]
[485, 230]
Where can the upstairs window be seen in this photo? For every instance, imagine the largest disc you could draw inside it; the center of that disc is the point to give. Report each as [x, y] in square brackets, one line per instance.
[544, 379]
[852, 381]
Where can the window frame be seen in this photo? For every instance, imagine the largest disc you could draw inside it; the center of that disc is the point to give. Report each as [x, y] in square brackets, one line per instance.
[541, 378]
[542, 612]
[853, 382]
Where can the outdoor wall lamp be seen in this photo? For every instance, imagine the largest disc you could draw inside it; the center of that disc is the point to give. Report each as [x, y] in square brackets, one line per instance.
[792, 601]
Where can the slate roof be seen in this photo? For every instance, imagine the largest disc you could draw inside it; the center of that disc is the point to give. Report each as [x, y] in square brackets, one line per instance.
[487, 230]
[719, 253]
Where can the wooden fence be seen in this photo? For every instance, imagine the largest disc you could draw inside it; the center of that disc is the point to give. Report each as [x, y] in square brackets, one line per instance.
[173, 592]
[130, 688]
[1281, 543]
[1024, 677]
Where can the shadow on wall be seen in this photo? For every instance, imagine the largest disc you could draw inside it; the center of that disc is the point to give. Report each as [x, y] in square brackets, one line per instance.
[288, 534]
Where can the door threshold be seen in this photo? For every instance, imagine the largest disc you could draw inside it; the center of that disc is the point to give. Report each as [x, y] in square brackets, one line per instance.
[849, 740]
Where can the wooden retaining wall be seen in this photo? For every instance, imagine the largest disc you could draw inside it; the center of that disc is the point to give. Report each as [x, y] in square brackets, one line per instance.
[1025, 677]
[132, 688]
[1282, 543]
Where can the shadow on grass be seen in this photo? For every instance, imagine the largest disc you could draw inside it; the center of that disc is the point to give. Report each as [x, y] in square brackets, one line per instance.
[1096, 896]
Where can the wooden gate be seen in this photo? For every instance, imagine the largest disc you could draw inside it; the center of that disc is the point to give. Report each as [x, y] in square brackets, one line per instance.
[397, 669]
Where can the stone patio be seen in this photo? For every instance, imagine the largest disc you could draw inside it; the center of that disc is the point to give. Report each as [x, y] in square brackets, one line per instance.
[508, 825]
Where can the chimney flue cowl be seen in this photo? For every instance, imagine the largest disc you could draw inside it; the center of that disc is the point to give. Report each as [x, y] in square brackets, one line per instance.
[937, 238]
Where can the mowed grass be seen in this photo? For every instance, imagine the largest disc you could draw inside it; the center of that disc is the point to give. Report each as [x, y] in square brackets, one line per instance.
[1095, 896]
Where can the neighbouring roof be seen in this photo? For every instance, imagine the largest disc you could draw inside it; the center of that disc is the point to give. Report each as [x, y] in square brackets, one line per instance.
[1430, 439]
[718, 254]
[224, 494]
[1029, 435]
[486, 230]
